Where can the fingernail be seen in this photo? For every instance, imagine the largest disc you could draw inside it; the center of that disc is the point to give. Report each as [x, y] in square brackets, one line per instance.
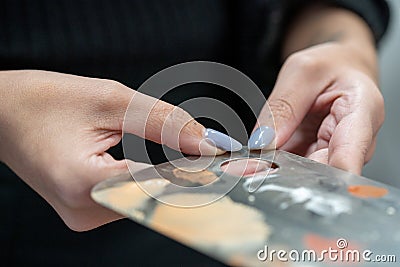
[222, 140]
[261, 137]
[208, 148]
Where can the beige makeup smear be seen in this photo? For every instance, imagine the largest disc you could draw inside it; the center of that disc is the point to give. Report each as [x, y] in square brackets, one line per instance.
[202, 177]
[224, 225]
[129, 195]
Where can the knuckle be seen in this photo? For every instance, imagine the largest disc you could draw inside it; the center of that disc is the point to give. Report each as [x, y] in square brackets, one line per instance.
[171, 114]
[161, 111]
[306, 62]
[112, 99]
[114, 85]
[113, 89]
[106, 90]
[180, 115]
[282, 109]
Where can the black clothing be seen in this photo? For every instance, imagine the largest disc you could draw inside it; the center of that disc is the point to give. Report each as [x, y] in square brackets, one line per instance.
[128, 41]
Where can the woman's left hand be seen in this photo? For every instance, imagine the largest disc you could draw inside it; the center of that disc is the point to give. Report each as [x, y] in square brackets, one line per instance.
[326, 107]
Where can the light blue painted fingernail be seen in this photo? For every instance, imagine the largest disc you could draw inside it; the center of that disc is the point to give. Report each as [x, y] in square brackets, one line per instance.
[261, 137]
[222, 140]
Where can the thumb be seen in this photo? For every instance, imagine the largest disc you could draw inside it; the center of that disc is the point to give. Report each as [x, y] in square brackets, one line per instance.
[288, 104]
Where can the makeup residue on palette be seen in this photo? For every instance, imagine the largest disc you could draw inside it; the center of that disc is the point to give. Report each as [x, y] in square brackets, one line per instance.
[202, 177]
[130, 196]
[273, 204]
[215, 225]
[323, 204]
[367, 191]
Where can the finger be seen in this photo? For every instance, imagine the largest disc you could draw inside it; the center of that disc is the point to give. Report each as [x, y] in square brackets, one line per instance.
[303, 141]
[296, 89]
[167, 124]
[350, 143]
[371, 151]
[320, 152]
[320, 156]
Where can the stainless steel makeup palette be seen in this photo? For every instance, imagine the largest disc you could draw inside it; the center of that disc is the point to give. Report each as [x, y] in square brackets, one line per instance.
[294, 204]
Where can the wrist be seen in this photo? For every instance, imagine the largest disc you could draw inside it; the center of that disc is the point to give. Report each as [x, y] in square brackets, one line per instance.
[363, 58]
[321, 24]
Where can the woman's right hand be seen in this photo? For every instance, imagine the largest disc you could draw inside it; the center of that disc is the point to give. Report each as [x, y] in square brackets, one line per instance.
[55, 130]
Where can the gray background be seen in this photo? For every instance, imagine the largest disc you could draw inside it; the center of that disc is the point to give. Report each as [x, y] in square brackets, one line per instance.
[385, 166]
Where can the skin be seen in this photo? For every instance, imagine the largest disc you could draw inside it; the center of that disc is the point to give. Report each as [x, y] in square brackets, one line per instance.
[326, 104]
[55, 130]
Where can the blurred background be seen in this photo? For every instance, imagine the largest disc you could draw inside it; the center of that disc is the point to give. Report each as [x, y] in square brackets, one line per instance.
[385, 166]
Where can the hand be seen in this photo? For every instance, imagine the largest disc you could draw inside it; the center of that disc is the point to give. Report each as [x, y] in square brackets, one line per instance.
[327, 106]
[55, 130]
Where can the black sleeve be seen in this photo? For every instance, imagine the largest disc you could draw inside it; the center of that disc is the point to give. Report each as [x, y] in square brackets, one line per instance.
[282, 12]
[376, 13]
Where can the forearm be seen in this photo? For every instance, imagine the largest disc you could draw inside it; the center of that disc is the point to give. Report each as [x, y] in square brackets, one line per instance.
[5, 101]
[323, 24]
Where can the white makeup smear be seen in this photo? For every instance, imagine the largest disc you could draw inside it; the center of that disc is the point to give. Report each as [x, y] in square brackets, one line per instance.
[327, 205]
[252, 183]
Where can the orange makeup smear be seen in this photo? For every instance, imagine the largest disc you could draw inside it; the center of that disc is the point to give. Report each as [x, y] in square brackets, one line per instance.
[365, 191]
